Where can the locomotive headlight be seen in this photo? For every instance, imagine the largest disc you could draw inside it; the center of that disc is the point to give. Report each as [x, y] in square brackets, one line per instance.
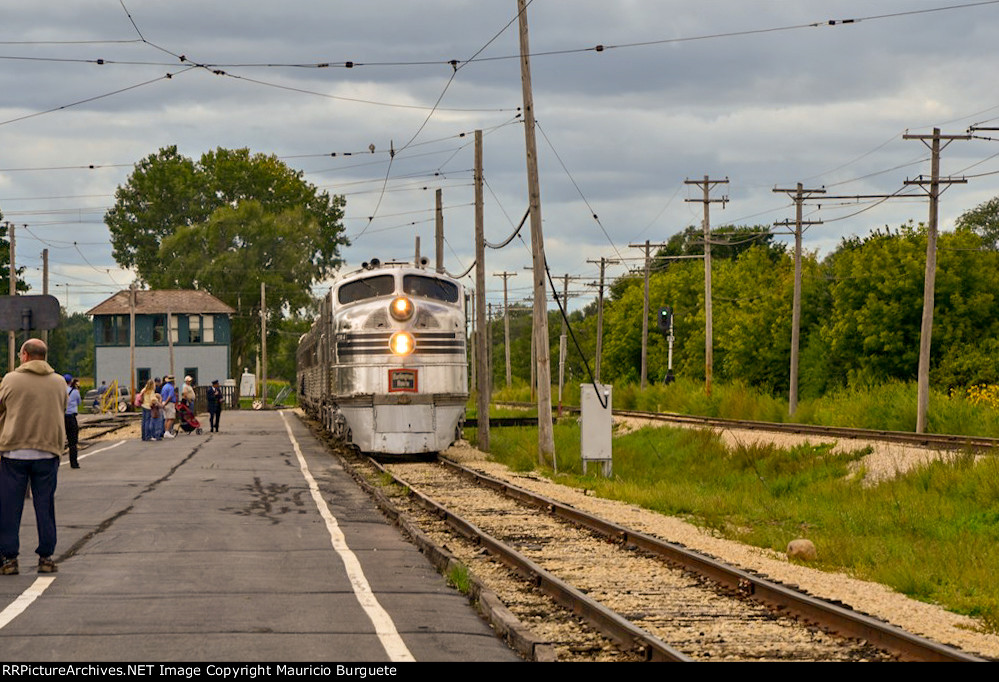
[401, 308]
[402, 343]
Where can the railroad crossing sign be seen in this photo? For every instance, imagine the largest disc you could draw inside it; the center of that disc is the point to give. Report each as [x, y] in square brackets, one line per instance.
[25, 313]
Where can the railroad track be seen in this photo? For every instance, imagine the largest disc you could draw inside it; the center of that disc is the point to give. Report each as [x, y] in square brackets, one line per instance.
[654, 600]
[930, 440]
[101, 426]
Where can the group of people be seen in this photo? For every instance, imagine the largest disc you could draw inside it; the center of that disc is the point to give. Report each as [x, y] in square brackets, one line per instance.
[38, 411]
[158, 401]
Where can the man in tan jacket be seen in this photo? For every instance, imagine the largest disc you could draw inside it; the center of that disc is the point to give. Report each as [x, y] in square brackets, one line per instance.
[32, 438]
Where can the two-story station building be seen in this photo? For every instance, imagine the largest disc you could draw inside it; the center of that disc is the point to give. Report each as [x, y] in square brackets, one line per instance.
[199, 336]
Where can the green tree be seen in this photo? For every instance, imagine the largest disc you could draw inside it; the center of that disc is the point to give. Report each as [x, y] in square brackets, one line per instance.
[983, 220]
[168, 191]
[225, 224]
[71, 345]
[236, 250]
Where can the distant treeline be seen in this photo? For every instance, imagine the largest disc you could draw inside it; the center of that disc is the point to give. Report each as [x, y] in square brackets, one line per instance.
[860, 316]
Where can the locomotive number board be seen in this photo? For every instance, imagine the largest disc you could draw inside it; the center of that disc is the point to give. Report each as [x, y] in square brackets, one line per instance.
[403, 380]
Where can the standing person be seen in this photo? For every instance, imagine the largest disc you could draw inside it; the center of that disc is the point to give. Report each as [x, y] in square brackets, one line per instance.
[169, 405]
[187, 394]
[147, 399]
[214, 405]
[33, 402]
[73, 401]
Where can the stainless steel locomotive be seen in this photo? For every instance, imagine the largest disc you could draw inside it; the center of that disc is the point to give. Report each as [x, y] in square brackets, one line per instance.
[384, 366]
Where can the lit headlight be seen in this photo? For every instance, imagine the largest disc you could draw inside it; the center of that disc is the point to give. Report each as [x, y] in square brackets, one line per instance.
[401, 308]
[402, 343]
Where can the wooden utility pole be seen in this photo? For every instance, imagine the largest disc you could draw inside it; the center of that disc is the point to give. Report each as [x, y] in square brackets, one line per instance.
[482, 357]
[563, 338]
[647, 247]
[11, 335]
[799, 195]
[604, 262]
[439, 233]
[929, 282]
[170, 339]
[45, 289]
[706, 185]
[506, 324]
[263, 344]
[546, 435]
[131, 338]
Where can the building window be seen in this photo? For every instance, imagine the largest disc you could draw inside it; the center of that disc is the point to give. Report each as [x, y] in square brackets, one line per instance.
[143, 375]
[115, 330]
[174, 329]
[194, 328]
[159, 329]
[193, 373]
[207, 329]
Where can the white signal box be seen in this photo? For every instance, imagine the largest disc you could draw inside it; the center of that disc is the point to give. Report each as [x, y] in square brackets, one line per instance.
[596, 424]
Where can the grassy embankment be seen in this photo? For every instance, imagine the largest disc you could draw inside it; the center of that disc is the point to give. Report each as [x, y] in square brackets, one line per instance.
[932, 533]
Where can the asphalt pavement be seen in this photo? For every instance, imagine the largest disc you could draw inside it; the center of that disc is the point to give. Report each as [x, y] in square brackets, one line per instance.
[247, 545]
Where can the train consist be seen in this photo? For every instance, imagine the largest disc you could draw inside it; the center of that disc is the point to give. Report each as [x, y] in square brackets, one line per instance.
[384, 365]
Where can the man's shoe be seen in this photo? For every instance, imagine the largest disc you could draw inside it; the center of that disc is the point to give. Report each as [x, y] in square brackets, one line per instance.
[9, 567]
[168, 434]
[46, 565]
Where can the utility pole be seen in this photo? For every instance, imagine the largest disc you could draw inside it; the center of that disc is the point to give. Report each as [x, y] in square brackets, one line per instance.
[45, 288]
[563, 338]
[131, 338]
[506, 324]
[169, 338]
[546, 435]
[481, 355]
[439, 232]
[263, 344]
[604, 262]
[647, 247]
[11, 336]
[933, 142]
[706, 185]
[799, 195]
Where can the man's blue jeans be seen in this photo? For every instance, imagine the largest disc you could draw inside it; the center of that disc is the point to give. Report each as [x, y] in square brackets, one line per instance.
[15, 474]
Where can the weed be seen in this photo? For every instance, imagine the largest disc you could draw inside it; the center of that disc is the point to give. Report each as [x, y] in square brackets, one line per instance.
[457, 577]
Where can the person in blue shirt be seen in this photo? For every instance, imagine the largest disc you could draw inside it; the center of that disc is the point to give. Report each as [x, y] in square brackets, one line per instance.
[169, 395]
[73, 401]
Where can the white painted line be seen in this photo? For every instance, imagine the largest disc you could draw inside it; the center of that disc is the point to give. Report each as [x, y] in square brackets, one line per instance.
[110, 447]
[17, 607]
[384, 626]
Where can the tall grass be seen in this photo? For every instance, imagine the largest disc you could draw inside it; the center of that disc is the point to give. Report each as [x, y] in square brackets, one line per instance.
[890, 406]
[932, 534]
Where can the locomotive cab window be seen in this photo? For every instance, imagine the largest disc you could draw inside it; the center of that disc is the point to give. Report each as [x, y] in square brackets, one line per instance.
[370, 287]
[430, 287]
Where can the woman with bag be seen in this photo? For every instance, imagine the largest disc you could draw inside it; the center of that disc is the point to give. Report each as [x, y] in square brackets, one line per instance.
[147, 400]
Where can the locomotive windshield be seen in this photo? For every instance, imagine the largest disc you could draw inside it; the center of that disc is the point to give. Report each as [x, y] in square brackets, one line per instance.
[370, 287]
[430, 287]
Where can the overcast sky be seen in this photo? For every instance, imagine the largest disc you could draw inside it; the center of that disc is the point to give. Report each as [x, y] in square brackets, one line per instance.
[750, 90]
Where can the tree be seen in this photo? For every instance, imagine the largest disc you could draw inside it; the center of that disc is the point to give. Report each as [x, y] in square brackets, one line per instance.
[225, 224]
[168, 191]
[983, 220]
[236, 250]
[71, 345]
[727, 242]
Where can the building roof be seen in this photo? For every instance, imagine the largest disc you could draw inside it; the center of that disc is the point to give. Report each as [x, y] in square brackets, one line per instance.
[174, 301]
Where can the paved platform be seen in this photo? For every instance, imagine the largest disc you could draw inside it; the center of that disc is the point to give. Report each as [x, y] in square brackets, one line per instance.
[213, 548]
